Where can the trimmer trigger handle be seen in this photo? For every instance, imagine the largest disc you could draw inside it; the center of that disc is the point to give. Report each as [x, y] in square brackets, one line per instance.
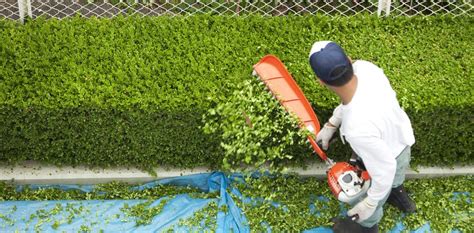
[354, 217]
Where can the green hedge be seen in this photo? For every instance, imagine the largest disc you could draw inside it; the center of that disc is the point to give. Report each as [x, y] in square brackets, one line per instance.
[131, 91]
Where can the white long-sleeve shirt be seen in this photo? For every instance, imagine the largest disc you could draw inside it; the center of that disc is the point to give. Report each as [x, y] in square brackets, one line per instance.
[375, 126]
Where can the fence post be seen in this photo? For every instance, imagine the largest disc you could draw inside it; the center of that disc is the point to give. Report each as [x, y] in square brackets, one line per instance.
[24, 6]
[28, 7]
[21, 10]
[384, 5]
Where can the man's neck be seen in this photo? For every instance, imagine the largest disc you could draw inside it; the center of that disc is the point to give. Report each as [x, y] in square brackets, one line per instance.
[346, 92]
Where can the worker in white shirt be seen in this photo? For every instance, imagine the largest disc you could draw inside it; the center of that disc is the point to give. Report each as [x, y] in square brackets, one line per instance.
[371, 120]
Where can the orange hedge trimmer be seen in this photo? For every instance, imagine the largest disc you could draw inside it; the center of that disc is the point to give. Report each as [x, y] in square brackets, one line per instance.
[347, 182]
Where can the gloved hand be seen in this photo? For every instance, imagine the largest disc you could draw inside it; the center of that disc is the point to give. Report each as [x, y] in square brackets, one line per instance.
[363, 209]
[326, 133]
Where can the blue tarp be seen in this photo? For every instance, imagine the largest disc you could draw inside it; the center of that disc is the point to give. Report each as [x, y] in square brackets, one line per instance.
[107, 216]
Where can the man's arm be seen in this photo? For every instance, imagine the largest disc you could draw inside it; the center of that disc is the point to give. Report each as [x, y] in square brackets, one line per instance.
[326, 133]
[379, 162]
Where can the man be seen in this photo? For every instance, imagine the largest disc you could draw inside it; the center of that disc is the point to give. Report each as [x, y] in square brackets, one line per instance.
[372, 122]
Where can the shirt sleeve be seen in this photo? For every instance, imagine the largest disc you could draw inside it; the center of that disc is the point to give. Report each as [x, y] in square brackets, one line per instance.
[336, 117]
[379, 162]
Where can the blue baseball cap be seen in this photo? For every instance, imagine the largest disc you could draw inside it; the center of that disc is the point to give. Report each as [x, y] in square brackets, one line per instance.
[330, 63]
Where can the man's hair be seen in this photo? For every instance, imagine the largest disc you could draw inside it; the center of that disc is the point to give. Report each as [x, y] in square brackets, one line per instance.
[344, 73]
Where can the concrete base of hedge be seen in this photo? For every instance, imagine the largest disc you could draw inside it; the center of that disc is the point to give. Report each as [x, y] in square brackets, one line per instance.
[31, 172]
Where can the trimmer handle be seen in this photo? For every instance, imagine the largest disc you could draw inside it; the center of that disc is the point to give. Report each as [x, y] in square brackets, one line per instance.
[354, 217]
[331, 141]
[318, 149]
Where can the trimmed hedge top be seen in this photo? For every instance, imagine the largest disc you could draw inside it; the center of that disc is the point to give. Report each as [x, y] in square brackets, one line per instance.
[175, 63]
[131, 91]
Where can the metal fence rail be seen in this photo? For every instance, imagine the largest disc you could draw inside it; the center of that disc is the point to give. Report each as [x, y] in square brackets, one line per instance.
[17, 9]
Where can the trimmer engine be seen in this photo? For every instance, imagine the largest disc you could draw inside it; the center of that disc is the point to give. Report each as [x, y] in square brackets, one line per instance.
[347, 182]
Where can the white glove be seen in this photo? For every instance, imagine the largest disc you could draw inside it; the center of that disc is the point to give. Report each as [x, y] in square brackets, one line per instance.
[363, 209]
[326, 133]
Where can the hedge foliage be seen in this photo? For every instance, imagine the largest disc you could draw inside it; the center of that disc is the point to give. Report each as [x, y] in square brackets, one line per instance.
[131, 91]
[269, 136]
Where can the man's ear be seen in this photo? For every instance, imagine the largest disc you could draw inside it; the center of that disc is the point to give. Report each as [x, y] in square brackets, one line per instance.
[321, 82]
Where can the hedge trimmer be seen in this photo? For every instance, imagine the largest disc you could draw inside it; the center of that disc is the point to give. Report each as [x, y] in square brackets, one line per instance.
[347, 181]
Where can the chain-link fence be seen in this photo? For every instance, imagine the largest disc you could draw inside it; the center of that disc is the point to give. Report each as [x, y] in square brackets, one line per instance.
[9, 9]
[15, 9]
[453, 7]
